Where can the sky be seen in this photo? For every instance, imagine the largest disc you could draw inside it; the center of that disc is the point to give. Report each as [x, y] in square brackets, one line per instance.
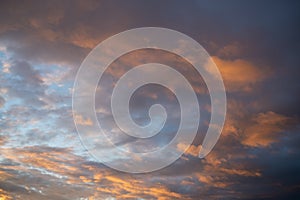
[255, 46]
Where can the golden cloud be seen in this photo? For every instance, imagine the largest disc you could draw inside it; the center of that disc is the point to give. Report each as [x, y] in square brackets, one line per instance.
[265, 129]
[5, 195]
[63, 166]
[193, 150]
[239, 74]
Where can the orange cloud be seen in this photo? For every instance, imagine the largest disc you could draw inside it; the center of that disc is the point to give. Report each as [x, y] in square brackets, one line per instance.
[193, 150]
[99, 183]
[239, 75]
[240, 172]
[4, 195]
[81, 121]
[265, 129]
[135, 188]
[82, 36]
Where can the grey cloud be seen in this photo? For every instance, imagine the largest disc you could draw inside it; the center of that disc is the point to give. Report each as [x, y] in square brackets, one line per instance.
[25, 71]
[2, 101]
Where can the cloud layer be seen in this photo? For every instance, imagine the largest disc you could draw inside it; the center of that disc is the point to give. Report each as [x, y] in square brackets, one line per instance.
[42, 45]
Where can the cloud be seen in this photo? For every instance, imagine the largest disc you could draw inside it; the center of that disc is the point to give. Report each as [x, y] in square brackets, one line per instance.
[23, 70]
[240, 75]
[24, 83]
[59, 166]
[125, 189]
[193, 150]
[5, 195]
[257, 154]
[2, 101]
[232, 50]
[265, 129]
[81, 121]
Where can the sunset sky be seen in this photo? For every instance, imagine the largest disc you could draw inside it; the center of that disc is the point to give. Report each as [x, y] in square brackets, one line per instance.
[255, 45]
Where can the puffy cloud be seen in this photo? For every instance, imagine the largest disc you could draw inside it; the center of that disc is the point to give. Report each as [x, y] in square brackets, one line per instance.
[239, 74]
